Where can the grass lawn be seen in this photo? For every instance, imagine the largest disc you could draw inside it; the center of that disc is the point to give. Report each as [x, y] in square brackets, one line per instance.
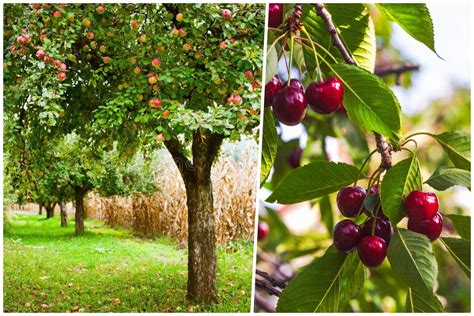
[48, 269]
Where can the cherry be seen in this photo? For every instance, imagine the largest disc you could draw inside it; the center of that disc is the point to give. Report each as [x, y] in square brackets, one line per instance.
[271, 88]
[421, 206]
[346, 235]
[350, 199]
[289, 105]
[295, 83]
[372, 251]
[383, 228]
[431, 228]
[325, 97]
[263, 230]
[275, 14]
[294, 157]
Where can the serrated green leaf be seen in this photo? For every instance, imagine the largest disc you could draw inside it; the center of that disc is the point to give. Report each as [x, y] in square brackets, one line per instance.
[397, 183]
[422, 302]
[462, 224]
[458, 147]
[312, 181]
[272, 64]
[460, 250]
[318, 288]
[355, 27]
[412, 260]
[269, 145]
[446, 177]
[369, 101]
[414, 18]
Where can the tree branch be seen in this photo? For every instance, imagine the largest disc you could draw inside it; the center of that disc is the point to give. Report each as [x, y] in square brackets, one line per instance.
[384, 148]
[269, 289]
[184, 165]
[397, 70]
[272, 280]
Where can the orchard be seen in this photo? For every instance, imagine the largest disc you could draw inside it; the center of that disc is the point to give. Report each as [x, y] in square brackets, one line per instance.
[393, 233]
[90, 86]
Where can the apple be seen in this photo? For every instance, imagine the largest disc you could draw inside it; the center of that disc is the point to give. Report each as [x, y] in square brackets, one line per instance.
[40, 54]
[222, 90]
[160, 48]
[88, 56]
[62, 6]
[133, 60]
[21, 39]
[226, 14]
[57, 14]
[249, 74]
[142, 38]
[86, 22]
[155, 62]
[179, 17]
[198, 54]
[152, 80]
[174, 32]
[100, 9]
[187, 47]
[160, 137]
[90, 35]
[57, 63]
[166, 114]
[106, 59]
[102, 49]
[48, 59]
[134, 24]
[43, 37]
[63, 67]
[182, 33]
[36, 6]
[120, 86]
[93, 44]
[62, 76]
[137, 70]
[140, 97]
[222, 44]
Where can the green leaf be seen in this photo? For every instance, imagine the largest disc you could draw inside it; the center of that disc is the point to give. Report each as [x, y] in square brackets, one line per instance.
[355, 27]
[458, 147]
[412, 260]
[462, 224]
[272, 64]
[318, 288]
[369, 101]
[422, 302]
[269, 145]
[460, 250]
[327, 217]
[446, 177]
[397, 183]
[312, 181]
[414, 18]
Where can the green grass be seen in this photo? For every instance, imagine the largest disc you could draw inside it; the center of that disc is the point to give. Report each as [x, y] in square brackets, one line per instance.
[47, 268]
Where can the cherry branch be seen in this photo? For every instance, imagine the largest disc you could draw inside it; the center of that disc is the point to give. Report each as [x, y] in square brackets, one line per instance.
[397, 70]
[272, 280]
[383, 147]
[268, 288]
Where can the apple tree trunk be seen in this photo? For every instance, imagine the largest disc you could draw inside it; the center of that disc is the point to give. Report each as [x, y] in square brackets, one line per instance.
[40, 211]
[201, 223]
[79, 194]
[50, 209]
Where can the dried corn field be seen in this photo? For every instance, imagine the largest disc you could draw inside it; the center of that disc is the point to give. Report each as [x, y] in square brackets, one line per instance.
[165, 212]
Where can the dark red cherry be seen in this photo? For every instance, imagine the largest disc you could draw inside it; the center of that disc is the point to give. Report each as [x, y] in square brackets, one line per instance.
[431, 228]
[421, 206]
[346, 235]
[349, 200]
[272, 87]
[383, 228]
[372, 251]
[296, 83]
[294, 158]
[275, 14]
[263, 230]
[325, 97]
[289, 105]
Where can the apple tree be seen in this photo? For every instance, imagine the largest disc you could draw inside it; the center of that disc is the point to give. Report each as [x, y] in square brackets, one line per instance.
[342, 91]
[144, 75]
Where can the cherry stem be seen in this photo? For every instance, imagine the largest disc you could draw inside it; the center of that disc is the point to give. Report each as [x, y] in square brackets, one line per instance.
[419, 133]
[363, 164]
[276, 41]
[376, 173]
[292, 43]
[320, 46]
[318, 68]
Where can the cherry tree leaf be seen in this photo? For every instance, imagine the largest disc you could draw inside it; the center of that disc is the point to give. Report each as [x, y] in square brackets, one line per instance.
[269, 145]
[397, 183]
[272, 63]
[460, 250]
[422, 302]
[462, 224]
[369, 101]
[312, 181]
[458, 147]
[446, 177]
[412, 259]
[325, 284]
[414, 18]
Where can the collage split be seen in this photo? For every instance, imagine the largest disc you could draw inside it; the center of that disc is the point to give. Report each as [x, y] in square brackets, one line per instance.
[248, 157]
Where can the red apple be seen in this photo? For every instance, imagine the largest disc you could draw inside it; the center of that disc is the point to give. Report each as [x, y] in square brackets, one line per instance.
[40, 54]
[249, 74]
[106, 59]
[57, 14]
[155, 62]
[100, 10]
[226, 14]
[62, 76]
